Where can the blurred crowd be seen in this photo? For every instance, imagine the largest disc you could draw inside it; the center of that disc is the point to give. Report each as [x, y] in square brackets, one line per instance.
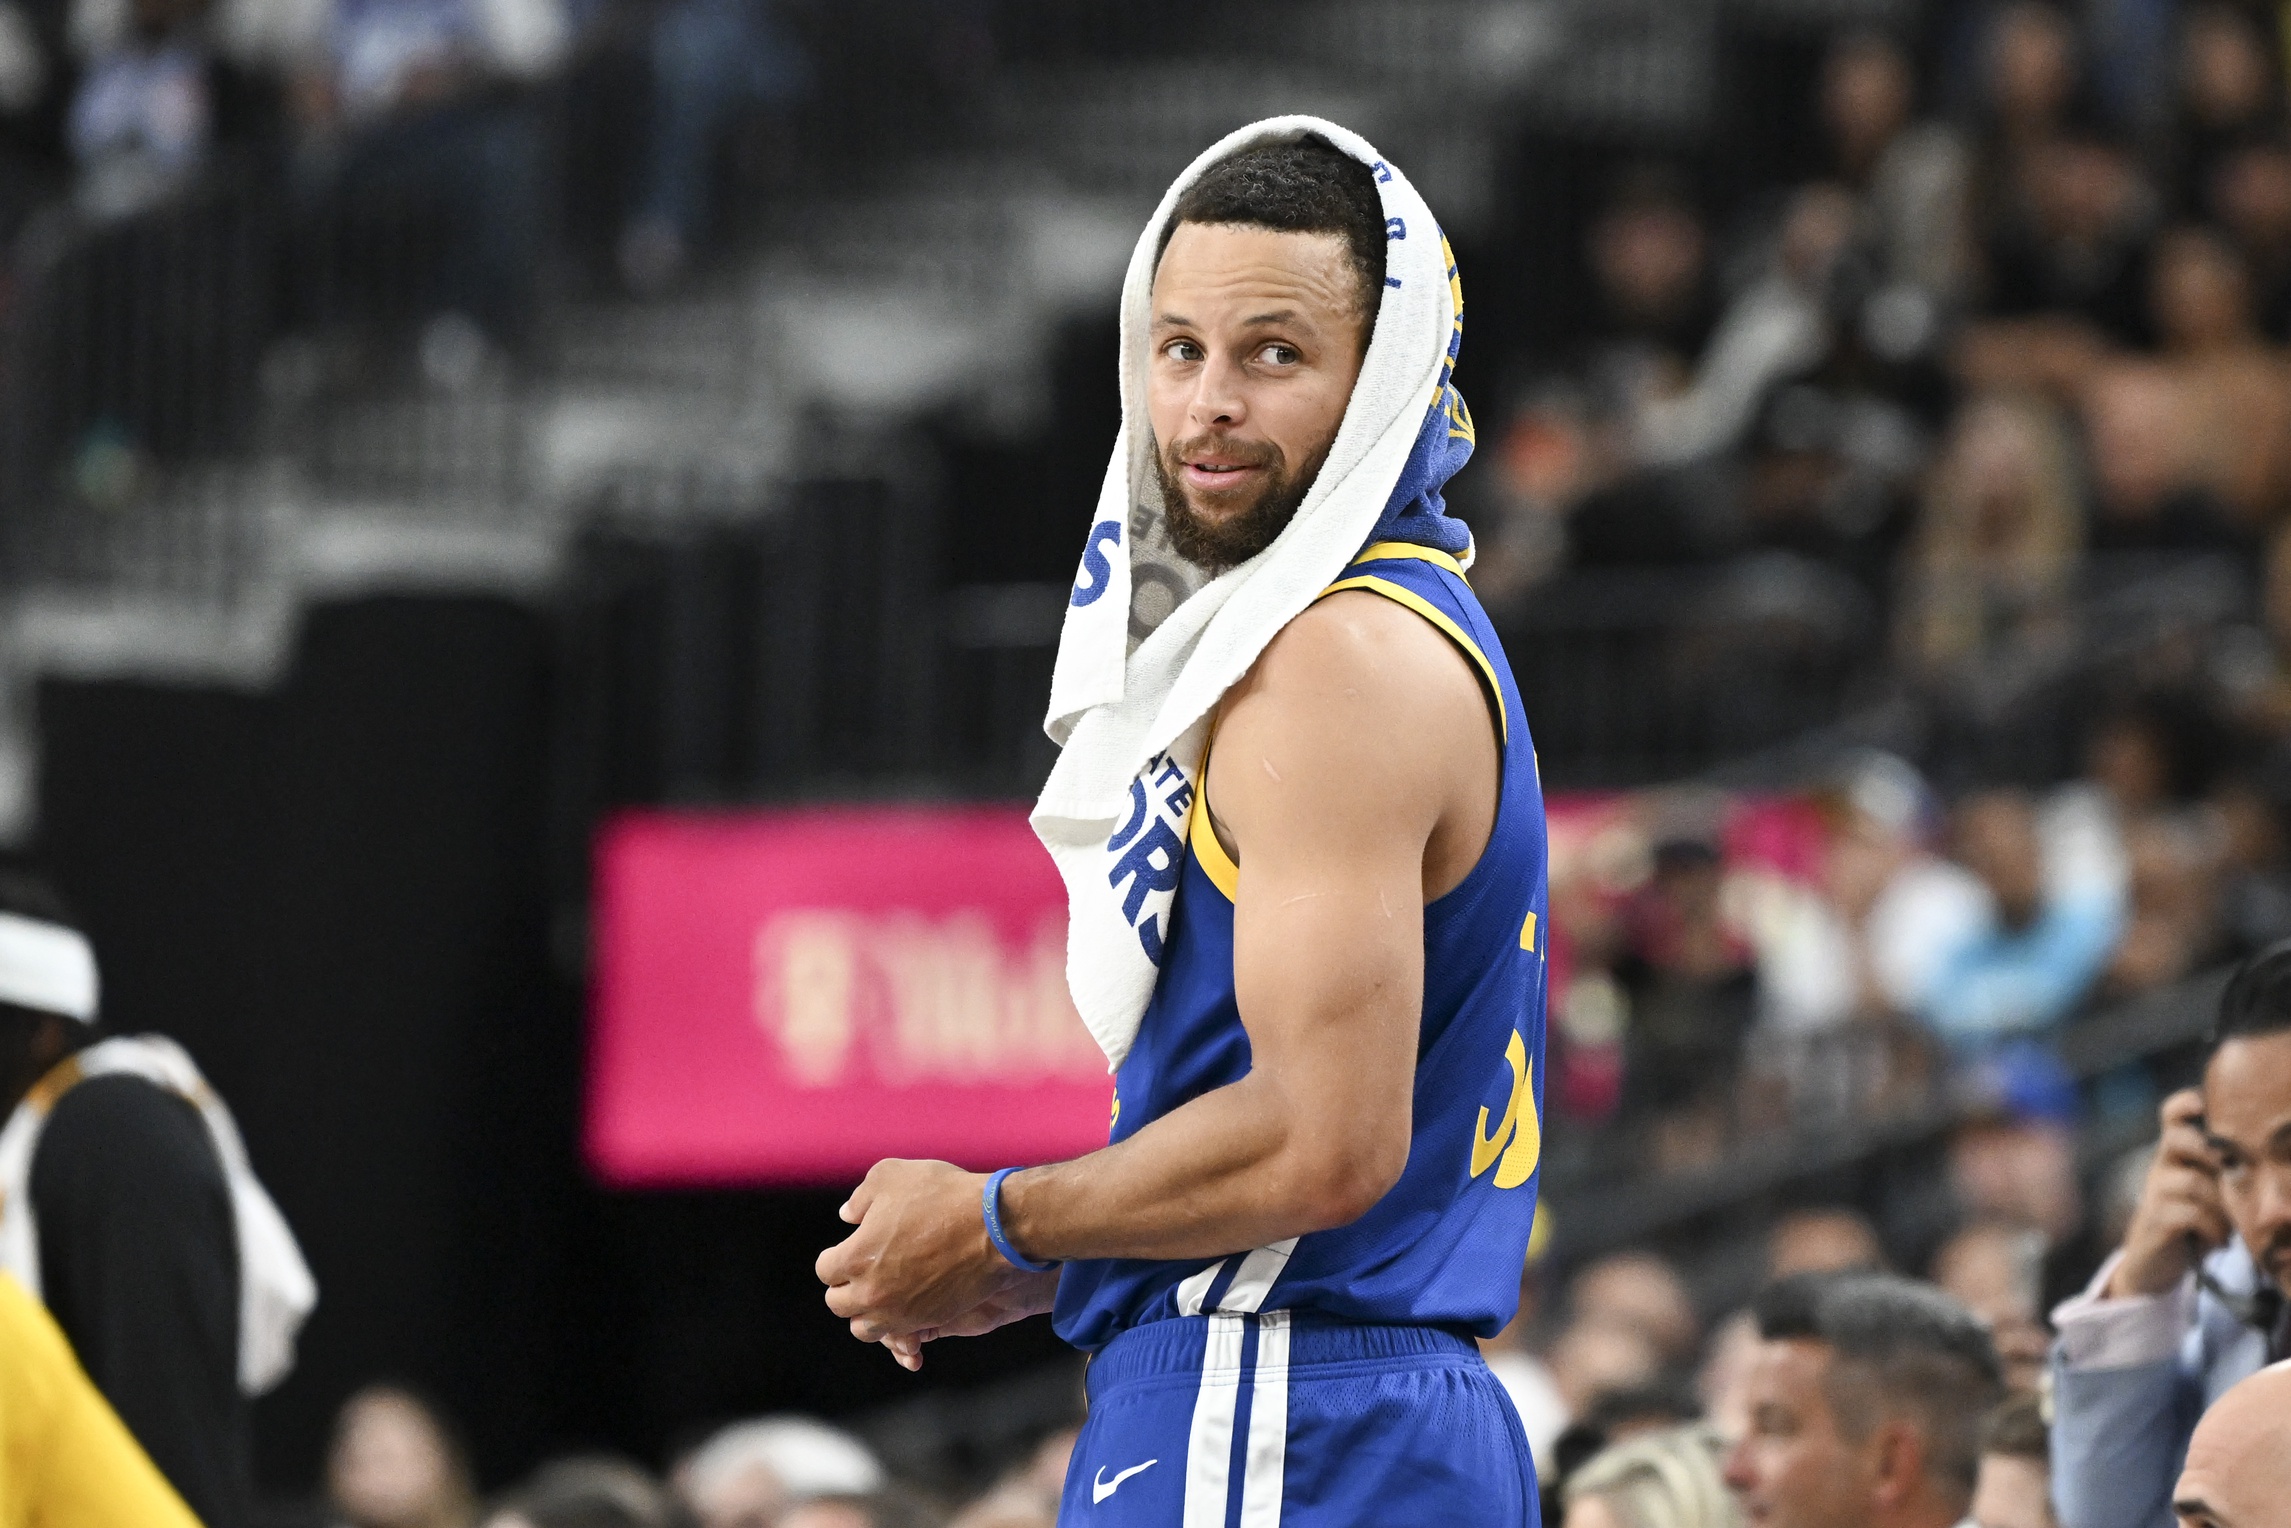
[1728, 966]
[395, 1464]
[1637, 1401]
[1999, 370]
[2012, 349]
[2030, 309]
[408, 148]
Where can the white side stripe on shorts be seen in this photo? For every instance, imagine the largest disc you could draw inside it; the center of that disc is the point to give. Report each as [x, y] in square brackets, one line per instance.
[1268, 1425]
[1209, 1447]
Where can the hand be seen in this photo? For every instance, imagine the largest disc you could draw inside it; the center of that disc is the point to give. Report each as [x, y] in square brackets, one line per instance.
[1032, 1295]
[2180, 1213]
[921, 1263]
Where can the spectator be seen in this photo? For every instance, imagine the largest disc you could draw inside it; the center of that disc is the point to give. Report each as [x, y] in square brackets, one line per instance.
[2250, 199]
[591, 1493]
[1723, 1382]
[2235, 386]
[2067, 269]
[2238, 1472]
[1026, 1497]
[1591, 1360]
[154, 103]
[1641, 1291]
[2031, 76]
[747, 1473]
[1866, 1402]
[1911, 177]
[128, 1207]
[890, 1508]
[414, 123]
[2015, 1488]
[1990, 570]
[1832, 1239]
[2171, 915]
[2254, 880]
[1667, 1479]
[1995, 1269]
[2193, 1301]
[393, 1464]
[1002, 1509]
[2013, 1158]
[2230, 89]
[1690, 979]
[2041, 947]
[710, 60]
[1860, 951]
[1774, 329]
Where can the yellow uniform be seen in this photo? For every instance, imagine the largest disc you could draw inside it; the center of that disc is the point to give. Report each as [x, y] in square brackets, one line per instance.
[66, 1460]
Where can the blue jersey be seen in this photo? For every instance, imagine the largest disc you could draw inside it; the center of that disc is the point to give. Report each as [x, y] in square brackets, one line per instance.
[1446, 1245]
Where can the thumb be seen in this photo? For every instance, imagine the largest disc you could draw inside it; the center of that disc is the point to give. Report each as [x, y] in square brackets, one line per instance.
[854, 1209]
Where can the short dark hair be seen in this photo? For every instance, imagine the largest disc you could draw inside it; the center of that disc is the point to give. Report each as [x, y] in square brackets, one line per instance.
[2257, 1000]
[1900, 1346]
[1307, 185]
[2017, 1430]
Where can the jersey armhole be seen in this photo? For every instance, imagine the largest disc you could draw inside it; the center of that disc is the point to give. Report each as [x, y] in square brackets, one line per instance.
[1201, 833]
[1490, 687]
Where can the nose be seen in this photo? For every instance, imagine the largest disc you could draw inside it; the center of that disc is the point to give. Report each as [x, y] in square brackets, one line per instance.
[1219, 399]
[1737, 1471]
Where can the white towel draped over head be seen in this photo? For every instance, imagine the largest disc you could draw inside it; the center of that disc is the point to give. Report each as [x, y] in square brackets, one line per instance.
[1150, 642]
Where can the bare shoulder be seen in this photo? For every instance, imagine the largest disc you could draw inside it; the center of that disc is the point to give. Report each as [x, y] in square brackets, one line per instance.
[1356, 650]
[1358, 694]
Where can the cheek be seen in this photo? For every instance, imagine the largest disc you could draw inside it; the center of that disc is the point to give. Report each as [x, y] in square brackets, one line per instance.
[1166, 398]
[1302, 419]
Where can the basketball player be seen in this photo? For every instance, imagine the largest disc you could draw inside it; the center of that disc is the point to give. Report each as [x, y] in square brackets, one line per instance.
[1321, 1178]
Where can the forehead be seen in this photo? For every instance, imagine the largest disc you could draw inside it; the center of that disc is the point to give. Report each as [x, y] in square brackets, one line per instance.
[2247, 1087]
[1790, 1372]
[1219, 265]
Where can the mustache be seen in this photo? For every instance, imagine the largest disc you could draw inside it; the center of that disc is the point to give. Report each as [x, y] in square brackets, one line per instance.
[1245, 453]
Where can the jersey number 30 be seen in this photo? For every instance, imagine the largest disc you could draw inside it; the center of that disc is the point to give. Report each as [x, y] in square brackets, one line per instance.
[1519, 1127]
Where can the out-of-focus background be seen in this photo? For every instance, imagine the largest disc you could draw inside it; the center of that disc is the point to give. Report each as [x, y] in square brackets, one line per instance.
[432, 428]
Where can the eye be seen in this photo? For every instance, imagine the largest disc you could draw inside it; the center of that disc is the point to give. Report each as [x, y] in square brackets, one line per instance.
[1280, 355]
[1182, 350]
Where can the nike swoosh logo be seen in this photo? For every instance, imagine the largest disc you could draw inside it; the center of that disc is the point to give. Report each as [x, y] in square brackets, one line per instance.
[1101, 1487]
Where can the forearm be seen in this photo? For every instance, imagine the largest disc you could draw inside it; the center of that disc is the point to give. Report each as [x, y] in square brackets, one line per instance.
[1239, 1167]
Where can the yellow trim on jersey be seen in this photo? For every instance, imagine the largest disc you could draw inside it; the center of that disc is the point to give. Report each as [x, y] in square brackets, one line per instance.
[1384, 551]
[1215, 862]
[1437, 617]
[1527, 934]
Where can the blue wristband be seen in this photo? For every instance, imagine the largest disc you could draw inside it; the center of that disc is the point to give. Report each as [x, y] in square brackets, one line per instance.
[991, 1198]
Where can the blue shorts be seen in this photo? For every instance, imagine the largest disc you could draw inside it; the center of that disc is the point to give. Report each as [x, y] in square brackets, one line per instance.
[1254, 1421]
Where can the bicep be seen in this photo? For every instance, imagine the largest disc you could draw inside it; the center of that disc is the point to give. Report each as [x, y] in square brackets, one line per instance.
[1323, 772]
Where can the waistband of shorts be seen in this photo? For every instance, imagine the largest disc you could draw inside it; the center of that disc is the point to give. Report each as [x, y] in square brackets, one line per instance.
[1177, 1346]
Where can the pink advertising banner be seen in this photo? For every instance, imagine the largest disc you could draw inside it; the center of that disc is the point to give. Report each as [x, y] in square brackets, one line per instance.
[787, 996]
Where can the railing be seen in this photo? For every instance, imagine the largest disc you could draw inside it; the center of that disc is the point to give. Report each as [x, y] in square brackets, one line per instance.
[1633, 677]
[1704, 1217]
[132, 345]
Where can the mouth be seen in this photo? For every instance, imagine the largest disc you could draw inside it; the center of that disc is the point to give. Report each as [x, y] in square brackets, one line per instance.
[1211, 476]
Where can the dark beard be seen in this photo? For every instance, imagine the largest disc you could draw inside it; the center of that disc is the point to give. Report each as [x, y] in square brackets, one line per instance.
[1229, 542]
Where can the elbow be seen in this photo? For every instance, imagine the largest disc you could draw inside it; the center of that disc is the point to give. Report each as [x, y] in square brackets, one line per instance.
[1351, 1178]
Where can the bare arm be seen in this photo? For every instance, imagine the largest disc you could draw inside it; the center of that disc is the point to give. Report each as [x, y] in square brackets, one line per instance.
[1355, 770]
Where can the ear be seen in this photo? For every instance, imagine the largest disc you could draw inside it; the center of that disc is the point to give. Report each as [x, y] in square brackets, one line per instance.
[1898, 1461]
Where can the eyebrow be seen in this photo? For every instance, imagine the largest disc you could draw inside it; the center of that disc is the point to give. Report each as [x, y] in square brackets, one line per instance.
[1253, 321]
